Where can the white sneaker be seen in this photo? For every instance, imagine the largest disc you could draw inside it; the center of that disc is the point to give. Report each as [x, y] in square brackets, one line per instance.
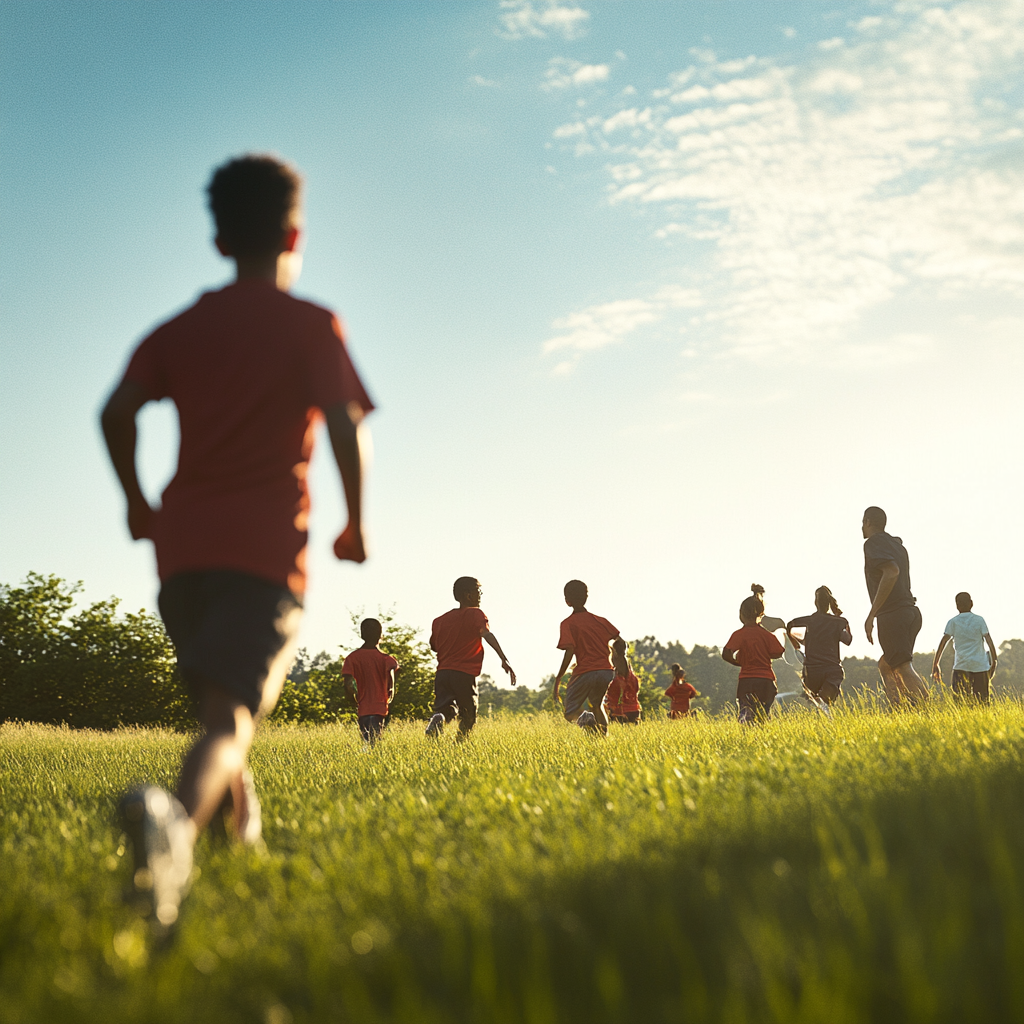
[588, 720]
[162, 838]
[436, 726]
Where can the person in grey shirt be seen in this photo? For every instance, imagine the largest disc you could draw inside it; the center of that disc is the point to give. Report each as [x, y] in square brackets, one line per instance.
[893, 607]
[972, 666]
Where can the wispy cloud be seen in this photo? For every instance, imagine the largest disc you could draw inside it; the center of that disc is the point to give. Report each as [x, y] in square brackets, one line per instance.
[892, 160]
[562, 73]
[484, 83]
[610, 322]
[522, 19]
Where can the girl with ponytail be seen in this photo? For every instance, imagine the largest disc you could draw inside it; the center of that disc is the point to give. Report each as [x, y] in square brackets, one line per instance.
[823, 633]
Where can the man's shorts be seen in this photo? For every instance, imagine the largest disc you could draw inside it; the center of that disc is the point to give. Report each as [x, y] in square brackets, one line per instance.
[371, 726]
[824, 682]
[897, 634]
[228, 628]
[590, 686]
[971, 684]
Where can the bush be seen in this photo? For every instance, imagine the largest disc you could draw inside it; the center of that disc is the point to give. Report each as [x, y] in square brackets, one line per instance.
[92, 669]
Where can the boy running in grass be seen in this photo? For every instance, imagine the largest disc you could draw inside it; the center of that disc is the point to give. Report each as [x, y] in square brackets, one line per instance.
[622, 701]
[752, 649]
[373, 673]
[824, 631]
[251, 370]
[972, 665]
[457, 637]
[680, 692]
[586, 636]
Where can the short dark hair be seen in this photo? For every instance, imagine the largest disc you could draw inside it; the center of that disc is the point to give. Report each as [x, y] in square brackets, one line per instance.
[963, 601]
[254, 200]
[463, 585]
[371, 626]
[875, 516]
[575, 593]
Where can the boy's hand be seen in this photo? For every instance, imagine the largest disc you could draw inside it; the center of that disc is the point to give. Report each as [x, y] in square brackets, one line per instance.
[937, 674]
[349, 546]
[511, 675]
[869, 627]
[140, 520]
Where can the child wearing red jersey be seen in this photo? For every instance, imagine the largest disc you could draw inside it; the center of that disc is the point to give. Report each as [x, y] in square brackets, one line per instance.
[373, 672]
[457, 637]
[586, 636]
[251, 370]
[622, 701]
[752, 649]
[680, 692]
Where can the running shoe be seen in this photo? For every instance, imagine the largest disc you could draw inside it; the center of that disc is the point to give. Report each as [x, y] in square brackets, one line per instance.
[162, 837]
[588, 720]
[436, 726]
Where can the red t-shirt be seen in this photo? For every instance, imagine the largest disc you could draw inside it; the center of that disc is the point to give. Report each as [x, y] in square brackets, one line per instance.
[456, 638]
[755, 647]
[370, 668]
[589, 636]
[248, 368]
[623, 695]
[680, 692]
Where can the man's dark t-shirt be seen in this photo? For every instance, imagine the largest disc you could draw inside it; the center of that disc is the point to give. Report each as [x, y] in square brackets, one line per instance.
[879, 549]
[822, 635]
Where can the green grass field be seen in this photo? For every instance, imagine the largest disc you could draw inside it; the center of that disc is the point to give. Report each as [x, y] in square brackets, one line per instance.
[869, 869]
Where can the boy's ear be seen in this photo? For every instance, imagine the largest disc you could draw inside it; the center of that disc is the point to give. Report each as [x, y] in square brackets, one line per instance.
[291, 240]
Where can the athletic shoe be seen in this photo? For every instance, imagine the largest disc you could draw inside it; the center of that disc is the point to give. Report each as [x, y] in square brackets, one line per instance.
[588, 720]
[436, 726]
[162, 838]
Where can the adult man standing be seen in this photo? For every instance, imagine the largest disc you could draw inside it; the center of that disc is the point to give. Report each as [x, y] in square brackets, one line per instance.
[887, 572]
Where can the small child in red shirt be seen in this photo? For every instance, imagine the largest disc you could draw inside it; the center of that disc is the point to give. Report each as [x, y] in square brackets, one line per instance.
[373, 672]
[680, 692]
[752, 649]
[457, 637]
[622, 701]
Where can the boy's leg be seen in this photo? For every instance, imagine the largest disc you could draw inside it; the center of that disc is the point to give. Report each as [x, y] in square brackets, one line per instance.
[468, 702]
[960, 685]
[445, 697]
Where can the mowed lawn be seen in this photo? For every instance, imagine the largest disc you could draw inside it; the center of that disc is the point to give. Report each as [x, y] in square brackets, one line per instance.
[867, 869]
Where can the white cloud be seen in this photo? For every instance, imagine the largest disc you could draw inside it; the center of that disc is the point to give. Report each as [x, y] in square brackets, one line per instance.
[485, 83]
[609, 322]
[521, 19]
[563, 73]
[887, 165]
[831, 44]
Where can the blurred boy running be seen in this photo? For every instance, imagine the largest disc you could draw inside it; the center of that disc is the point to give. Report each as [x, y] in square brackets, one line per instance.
[972, 666]
[752, 649]
[586, 636]
[250, 370]
[622, 701]
[680, 692]
[373, 672]
[824, 631]
[457, 638]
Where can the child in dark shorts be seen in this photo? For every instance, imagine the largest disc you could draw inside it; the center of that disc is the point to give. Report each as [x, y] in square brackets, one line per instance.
[823, 632]
[373, 672]
[752, 650]
[251, 370]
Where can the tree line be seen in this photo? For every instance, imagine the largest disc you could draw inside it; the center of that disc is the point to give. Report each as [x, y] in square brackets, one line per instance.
[99, 669]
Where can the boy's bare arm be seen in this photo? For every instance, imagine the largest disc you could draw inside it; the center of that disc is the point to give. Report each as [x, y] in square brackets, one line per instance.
[343, 426]
[492, 641]
[348, 680]
[568, 656]
[992, 648]
[938, 654]
[391, 684]
[119, 432]
[730, 656]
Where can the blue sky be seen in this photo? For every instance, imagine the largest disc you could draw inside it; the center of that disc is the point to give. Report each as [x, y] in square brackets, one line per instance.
[657, 295]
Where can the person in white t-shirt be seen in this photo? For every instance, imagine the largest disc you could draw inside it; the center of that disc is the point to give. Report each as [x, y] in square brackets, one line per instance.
[973, 665]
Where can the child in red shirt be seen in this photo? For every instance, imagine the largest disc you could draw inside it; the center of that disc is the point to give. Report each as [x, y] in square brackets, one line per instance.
[457, 638]
[585, 637]
[373, 672]
[251, 370]
[622, 701]
[680, 692]
[752, 649]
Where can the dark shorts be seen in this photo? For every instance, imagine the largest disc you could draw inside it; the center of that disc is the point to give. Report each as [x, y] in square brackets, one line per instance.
[589, 687]
[897, 634]
[625, 717]
[971, 684]
[371, 726]
[228, 628]
[824, 682]
[455, 694]
[756, 696]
